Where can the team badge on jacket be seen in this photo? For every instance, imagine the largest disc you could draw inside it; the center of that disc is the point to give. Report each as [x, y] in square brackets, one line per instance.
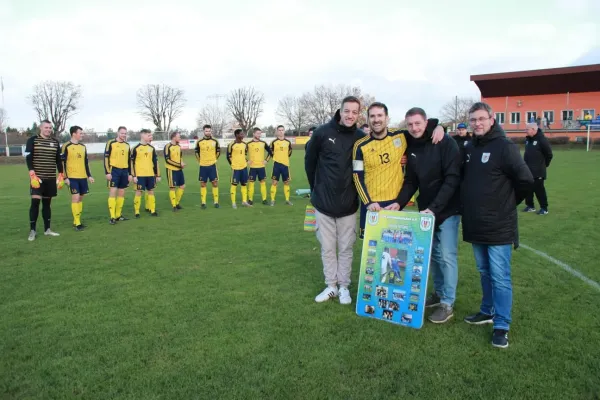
[485, 157]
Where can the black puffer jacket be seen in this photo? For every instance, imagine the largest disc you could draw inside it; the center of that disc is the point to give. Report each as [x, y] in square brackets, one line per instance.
[538, 154]
[328, 165]
[496, 179]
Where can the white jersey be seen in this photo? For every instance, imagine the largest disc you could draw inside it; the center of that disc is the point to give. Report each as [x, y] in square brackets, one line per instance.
[386, 260]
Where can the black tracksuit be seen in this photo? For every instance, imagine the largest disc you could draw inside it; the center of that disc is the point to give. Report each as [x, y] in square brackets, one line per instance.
[433, 169]
[495, 180]
[538, 155]
[462, 141]
[328, 165]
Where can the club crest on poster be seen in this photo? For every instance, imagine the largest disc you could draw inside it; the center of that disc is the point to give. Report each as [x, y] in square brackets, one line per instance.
[394, 267]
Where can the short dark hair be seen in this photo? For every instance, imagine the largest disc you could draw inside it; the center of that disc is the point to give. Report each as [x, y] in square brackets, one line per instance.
[74, 129]
[206, 127]
[416, 111]
[364, 126]
[121, 127]
[482, 106]
[237, 131]
[145, 131]
[257, 129]
[280, 126]
[173, 134]
[312, 128]
[351, 99]
[378, 104]
[45, 121]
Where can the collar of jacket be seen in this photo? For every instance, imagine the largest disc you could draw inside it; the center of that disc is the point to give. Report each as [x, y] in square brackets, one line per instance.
[495, 132]
[335, 123]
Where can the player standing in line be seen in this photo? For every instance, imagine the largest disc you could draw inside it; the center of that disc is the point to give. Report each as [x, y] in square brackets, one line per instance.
[118, 174]
[146, 207]
[77, 173]
[258, 161]
[144, 168]
[281, 148]
[377, 162]
[236, 156]
[207, 153]
[175, 165]
[42, 153]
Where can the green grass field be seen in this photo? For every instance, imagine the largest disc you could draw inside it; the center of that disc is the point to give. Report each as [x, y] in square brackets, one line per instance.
[219, 304]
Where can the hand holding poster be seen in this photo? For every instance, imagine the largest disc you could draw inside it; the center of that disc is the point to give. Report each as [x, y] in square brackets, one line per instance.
[394, 267]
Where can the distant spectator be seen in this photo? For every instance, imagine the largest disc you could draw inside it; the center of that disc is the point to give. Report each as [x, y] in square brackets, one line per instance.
[587, 116]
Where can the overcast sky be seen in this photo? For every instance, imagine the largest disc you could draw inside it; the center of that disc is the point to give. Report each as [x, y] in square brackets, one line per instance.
[405, 53]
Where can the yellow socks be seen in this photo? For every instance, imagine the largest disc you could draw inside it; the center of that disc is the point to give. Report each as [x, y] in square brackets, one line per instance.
[251, 190]
[203, 194]
[216, 194]
[244, 191]
[173, 198]
[233, 191]
[76, 210]
[137, 202]
[179, 195]
[286, 192]
[151, 204]
[263, 190]
[120, 202]
[112, 207]
[273, 192]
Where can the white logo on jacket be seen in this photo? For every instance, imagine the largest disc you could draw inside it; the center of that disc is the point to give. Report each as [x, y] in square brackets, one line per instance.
[534, 142]
[332, 140]
[485, 157]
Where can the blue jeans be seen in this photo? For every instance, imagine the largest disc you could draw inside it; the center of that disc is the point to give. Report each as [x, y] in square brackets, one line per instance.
[493, 263]
[444, 263]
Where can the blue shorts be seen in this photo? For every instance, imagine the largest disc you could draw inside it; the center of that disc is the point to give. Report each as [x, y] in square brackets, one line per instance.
[146, 183]
[175, 178]
[79, 186]
[363, 214]
[239, 176]
[209, 173]
[120, 178]
[280, 170]
[257, 174]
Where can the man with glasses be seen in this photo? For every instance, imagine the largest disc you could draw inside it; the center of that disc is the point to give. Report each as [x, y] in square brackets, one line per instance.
[495, 180]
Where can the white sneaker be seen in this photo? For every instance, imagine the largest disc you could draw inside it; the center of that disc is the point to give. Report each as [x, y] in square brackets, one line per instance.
[246, 204]
[51, 233]
[345, 295]
[32, 235]
[329, 293]
[234, 206]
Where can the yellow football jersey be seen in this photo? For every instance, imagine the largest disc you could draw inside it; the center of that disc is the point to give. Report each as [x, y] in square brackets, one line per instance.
[377, 167]
[236, 155]
[207, 151]
[144, 162]
[282, 150]
[173, 156]
[116, 154]
[74, 156]
[256, 153]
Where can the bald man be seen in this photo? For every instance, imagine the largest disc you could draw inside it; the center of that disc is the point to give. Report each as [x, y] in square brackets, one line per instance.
[538, 155]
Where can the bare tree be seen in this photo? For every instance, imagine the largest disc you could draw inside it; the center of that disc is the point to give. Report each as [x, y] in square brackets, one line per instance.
[294, 111]
[246, 105]
[161, 105]
[457, 110]
[214, 116]
[56, 101]
[324, 101]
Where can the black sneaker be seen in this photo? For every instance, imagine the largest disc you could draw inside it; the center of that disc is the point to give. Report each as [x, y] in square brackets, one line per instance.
[250, 202]
[79, 228]
[479, 319]
[500, 338]
[137, 216]
[432, 300]
[113, 221]
[148, 210]
[442, 314]
[529, 209]
[174, 209]
[265, 202]
[122, 218]
[154, 214]
[178, 207]
[203, 206]
[542, 211]
[217, 205]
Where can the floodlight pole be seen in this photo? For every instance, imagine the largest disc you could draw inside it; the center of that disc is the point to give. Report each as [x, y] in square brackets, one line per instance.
[588, 137]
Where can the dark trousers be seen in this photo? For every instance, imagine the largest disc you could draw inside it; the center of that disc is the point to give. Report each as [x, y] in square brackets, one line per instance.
[540, 194]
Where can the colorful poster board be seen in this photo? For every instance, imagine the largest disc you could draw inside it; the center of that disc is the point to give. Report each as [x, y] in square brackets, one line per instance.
[394, 267]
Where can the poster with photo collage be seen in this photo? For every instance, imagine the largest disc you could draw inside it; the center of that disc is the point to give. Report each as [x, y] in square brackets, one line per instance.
[394, 267]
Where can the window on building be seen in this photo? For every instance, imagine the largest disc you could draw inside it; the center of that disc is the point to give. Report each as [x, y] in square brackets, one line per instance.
[499, 118]
[531, 116]
[515, 118]
[588, 111]
[567, 115]
[549, 115]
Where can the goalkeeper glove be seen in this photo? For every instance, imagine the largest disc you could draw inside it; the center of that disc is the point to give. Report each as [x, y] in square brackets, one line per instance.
[60, 182]
[35, 181]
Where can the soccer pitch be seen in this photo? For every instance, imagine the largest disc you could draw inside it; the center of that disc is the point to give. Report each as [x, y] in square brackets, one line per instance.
[219, 303]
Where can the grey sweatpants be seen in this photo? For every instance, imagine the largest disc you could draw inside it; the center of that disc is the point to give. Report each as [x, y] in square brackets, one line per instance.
[336, 234]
